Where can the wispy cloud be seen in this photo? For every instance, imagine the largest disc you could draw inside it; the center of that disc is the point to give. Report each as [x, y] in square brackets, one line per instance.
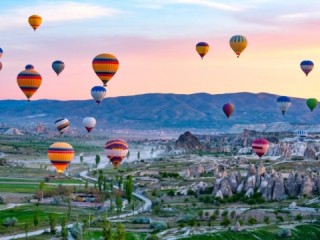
[205, 3]
[51, 12]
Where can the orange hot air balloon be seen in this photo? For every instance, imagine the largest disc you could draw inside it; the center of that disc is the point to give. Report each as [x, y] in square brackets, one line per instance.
[260, 146]
[116, 150]
[228, 109]
[60, 155]
[29, 81]
[105, 66]
[35, 21]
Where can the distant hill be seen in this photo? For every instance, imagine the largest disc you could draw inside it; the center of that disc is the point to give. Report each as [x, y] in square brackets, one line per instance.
[152, 111]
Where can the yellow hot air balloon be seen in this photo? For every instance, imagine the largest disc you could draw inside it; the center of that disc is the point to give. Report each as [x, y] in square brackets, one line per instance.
[29, 81]
[60, 155]
[35, 21]
[105, 66]
[202, 48]
[238, 43]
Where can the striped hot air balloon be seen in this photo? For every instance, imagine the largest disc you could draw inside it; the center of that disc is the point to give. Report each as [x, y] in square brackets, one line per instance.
[238, 43]
[62, 124]
[29, 81]
[105, 66]
[35, 21]
[306, 66]
[228, 109]
[58, 66]
[98, 93]
[202, 48]
[60, 155]
[89, 123]
[284, 103]
[1, 52]
[260, 146]
[116, 150]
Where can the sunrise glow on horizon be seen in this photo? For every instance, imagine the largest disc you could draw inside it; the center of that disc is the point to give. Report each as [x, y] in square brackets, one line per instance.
[155, 41]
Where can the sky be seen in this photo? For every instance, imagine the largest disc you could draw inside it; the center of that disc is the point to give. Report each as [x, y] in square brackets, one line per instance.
[154, 41]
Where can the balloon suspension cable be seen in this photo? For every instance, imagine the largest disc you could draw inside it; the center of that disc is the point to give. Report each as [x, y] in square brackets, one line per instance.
[28, 100]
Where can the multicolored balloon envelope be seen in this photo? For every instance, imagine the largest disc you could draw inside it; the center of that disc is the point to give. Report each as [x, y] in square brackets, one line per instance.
[62, 124]
[312, 103]
[58, 66]
[228, 109]
[284, 103]
[60, 155]
[89, 123]
[98, 93]
[0, 66]
[260, 146]
[105, 66]
[1, 52]
[202, 48]
[29, 81]
[116, 150]
[35, 21]
[238, 43]
[306, 66]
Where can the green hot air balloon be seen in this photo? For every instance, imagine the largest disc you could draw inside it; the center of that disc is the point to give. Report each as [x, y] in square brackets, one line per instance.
[312, 103]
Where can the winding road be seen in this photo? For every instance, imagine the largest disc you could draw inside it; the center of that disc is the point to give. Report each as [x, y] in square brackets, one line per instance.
[84, 175]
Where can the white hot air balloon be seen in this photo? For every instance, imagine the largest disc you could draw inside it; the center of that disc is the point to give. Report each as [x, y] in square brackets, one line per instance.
[98, 93]
[89, 123]
[62, 124]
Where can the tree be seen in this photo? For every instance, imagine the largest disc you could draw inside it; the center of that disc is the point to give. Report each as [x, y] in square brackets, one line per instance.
[69, 208]
[152, 152]
[225, 222]
[52, 223]
[86, 185]
[213, 217]
[129, 189]
[36, 218]
[100, 180]
[97, 159]
[120, 232]
[106, 230]
[299, 217]
[105, 184]
[41, 188]
[64, 230]
[120, 181]
[128, 155]
[138, 155]
[81, 158]
[26, 229]
[133, 205]
[119, 204]
[266, 220]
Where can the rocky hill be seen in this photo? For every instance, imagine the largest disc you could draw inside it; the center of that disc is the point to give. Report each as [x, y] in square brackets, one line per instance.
[152, 111]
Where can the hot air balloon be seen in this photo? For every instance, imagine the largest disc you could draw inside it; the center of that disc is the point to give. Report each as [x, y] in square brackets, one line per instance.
[312, 103]
[0, 66]
[105, 66]
[238, 43]
[35, 21]
[306, 66]
[116, 150]
[62, 124]
[284, 103]
[228, 109]
[89, 123]
[98, 93]
[58, 66]
[202, 48]
[1, 52]
[29, 81]
[260, 146]
[60, 155]
[301, 134]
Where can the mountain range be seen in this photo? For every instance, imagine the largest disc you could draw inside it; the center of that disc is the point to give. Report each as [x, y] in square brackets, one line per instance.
[154, 111]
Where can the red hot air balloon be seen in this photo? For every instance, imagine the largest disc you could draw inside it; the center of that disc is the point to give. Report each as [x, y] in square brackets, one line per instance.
[260, 146]
[228, 109]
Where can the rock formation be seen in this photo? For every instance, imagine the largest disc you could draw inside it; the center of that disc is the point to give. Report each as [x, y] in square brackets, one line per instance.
[188, 142]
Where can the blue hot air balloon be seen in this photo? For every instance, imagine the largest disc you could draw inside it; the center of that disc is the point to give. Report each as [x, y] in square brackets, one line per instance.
[306, 66]
[1, 52]
[58, 66]
[284, 103]
[98, 93]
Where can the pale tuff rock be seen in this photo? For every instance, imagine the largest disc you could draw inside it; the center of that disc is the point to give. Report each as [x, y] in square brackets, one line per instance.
[293, 205]
[236, 227]
[309, 153]
[249, 193]
[225, 187]
[261, 169]
[201, 186]
[306, 186]
[278, 191]
[219, 194]
[263, 186]
[251, 170]
[240, 188]
[188, 142]
[250, 183]
[233, 182]
[293, 184]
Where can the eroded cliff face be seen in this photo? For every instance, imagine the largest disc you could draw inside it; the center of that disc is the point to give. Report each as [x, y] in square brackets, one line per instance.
[272, 185]
[188, 142]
